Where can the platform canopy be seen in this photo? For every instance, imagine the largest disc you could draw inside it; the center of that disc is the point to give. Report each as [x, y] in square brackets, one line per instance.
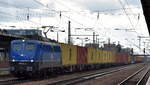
[146, 10]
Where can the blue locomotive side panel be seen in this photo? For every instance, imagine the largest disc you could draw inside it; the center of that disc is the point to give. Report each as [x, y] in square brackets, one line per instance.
[57, 53]
[49, 55]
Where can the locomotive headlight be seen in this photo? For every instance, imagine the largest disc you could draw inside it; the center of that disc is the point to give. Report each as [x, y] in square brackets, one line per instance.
[31, 60]
[13, 60]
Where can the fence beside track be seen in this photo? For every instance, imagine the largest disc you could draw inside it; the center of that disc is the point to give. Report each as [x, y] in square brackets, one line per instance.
[12, 81]
[85, 77]
[4, 71]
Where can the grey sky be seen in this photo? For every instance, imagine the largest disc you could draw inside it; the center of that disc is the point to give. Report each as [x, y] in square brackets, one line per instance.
[14, 12]
[19, 3]
[92, 5]
[98, 5]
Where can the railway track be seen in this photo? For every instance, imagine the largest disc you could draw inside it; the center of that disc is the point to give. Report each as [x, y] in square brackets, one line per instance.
[70, 81]
[74, 75]
[80, 79]
[17, 81]
[137, 78]
[144, 78]
[13, 81]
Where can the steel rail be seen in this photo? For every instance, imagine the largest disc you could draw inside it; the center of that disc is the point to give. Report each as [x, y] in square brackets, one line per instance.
[83, 78]
[14, 81]
[131, 76]
[143, 77]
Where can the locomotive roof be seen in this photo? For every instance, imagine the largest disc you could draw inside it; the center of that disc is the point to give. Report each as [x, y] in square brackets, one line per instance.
[43, 42]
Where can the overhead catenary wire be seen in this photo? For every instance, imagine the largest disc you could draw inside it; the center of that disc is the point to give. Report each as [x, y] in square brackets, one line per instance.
[45, 7]
[129, 19]
[123, 8]
[54, 10]
[137, 19]
[129, 7]
[18, 17]
[122, 5]
[39, 3]
[136, 46]
[65, 15]
[21, 9]
[78, 12]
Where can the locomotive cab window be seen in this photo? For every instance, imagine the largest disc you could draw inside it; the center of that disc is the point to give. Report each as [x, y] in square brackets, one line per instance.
[16, 47]
[30, 47]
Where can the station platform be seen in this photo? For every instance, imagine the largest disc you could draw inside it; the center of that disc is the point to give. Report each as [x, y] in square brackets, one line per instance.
[148, 82]
[4, 71]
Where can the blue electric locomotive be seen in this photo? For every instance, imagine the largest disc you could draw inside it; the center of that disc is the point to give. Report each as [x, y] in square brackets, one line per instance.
[30, 57]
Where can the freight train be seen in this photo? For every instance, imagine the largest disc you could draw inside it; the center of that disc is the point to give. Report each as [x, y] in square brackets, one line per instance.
[32, 57]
